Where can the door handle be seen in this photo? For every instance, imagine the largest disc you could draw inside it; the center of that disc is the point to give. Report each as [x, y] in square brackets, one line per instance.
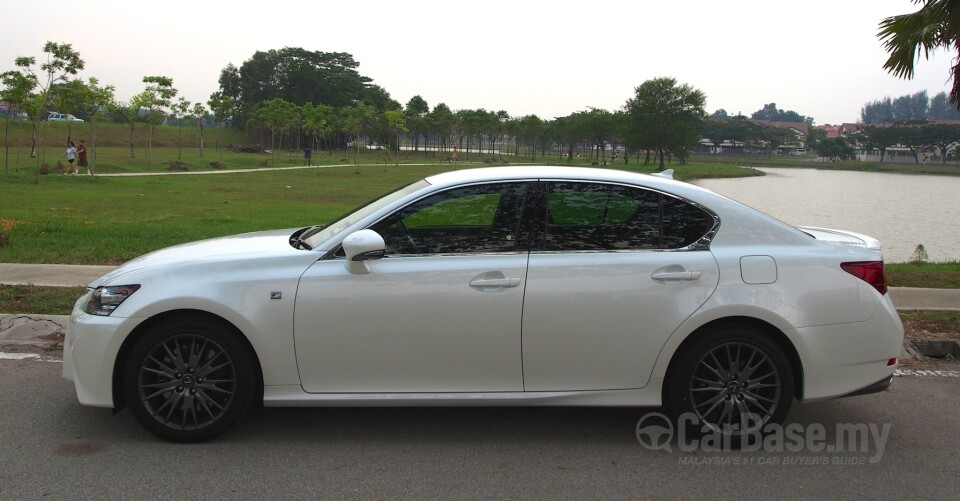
[495, 282]
[677, 275]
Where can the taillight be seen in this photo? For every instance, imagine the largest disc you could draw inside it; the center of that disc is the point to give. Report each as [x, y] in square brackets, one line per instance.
[870, 272]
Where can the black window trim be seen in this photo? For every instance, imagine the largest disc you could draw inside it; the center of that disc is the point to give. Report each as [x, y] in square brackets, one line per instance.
[538, 225]
[524, 226]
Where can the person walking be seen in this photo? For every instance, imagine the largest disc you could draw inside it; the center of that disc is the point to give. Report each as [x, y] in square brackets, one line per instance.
[82, 157]
[307, 153]
[71, 156]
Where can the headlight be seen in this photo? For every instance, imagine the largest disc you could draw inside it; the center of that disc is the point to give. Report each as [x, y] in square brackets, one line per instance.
[106, 299]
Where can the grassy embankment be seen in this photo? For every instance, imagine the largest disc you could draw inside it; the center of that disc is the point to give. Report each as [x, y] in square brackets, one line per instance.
[807, 162]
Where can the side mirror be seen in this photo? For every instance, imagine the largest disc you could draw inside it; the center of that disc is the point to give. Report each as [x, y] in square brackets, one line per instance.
[360, 247]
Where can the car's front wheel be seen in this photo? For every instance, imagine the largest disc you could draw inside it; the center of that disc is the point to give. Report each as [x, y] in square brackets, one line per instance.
[735, 381]
[189, 379]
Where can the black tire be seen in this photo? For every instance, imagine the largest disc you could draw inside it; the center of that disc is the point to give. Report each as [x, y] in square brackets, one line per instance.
[735, 380]
[189, 379]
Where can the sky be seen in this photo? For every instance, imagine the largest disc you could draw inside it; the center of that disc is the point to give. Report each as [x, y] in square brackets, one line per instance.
[820, 58]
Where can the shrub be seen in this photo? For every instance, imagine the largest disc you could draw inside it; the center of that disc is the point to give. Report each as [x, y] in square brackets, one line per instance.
[920, 255]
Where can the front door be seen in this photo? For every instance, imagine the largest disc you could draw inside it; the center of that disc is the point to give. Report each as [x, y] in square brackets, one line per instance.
[440, 313]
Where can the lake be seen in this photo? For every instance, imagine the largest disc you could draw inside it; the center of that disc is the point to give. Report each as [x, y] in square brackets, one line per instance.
[900, 210]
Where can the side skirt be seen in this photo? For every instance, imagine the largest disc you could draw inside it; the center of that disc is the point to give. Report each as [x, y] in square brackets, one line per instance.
[294, 396]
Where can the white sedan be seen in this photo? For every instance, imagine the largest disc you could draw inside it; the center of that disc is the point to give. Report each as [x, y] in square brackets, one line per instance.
[500, 286]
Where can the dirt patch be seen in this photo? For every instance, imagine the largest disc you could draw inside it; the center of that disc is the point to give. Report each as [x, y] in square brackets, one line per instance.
[79, 449]
[931, 324]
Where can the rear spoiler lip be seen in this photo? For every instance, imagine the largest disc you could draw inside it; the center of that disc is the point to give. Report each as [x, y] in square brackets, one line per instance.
[864, 241]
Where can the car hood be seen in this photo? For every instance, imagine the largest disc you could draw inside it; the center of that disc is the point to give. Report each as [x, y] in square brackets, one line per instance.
[214, 249]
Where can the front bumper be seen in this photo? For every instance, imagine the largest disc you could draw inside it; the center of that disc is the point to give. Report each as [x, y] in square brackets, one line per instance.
[90, 351]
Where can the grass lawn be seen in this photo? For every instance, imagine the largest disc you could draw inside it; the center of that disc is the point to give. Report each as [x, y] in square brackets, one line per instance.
[929, 275]
[36, 300]
[109, 220]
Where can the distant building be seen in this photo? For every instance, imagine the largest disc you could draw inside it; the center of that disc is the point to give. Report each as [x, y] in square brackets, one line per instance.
[798, 128]
[8, 110]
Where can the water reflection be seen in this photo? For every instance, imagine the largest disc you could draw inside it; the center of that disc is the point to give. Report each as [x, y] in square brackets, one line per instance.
[898, 209]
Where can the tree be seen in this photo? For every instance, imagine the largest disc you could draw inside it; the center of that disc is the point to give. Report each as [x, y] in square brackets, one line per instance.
[814, 137]
[93, 99]
[417, 109]
[443, 121]
[734, 129]
[355, 121]
[911, 107]
[597, 127]
[316, 121]
[275, 114]
[720, 114]
[17, 90]
[941, 136]
[397, 121]
[221, 106]
[772, 113]
[198, 112]
[179, 110]
[879, 137]
[935, 26]
[155, 98]
[877, 112]
[664, 116]
[34, 87]
[295, 75]
[834, 147]
[940, 108]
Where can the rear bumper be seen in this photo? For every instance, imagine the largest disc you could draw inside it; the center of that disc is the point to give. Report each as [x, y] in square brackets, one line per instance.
[877, 387]
[843, 359]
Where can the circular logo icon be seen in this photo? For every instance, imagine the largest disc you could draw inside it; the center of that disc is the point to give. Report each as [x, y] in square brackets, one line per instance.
[655, 432]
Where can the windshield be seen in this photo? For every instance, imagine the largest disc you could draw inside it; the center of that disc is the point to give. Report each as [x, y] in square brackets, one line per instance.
[341, 223]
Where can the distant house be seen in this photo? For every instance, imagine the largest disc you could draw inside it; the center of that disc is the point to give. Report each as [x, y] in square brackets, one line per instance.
[847, 129]
[8, 110]
[798, 128]
[831, 130]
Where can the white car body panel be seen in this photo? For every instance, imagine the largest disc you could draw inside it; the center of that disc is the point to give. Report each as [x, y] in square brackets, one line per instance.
[602, 330]
[413, 331]
[411, 324]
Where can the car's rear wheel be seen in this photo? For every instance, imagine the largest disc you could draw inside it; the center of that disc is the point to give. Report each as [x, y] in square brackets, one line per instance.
[734, 381]
[189, 379]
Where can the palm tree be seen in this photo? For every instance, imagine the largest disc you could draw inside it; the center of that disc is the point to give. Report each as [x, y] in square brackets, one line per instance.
[935, 26]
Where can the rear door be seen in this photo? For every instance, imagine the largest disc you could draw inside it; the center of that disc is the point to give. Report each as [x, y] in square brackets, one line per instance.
[614, 271]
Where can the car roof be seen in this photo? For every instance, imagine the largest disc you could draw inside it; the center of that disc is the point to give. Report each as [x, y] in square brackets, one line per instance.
[520, 172]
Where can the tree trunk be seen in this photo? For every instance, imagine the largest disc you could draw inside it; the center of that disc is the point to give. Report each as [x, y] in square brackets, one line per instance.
[92, 151]
[131, 140]
[6, 146]
[36, 134]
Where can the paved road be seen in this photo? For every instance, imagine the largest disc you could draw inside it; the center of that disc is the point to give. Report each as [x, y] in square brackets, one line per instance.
[55, 449]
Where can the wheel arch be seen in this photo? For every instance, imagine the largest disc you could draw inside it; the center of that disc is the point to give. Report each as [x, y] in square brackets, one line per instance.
[781, 339]
[119, 401]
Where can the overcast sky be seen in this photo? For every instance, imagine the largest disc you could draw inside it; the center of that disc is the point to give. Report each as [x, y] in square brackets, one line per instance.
[819, 58]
